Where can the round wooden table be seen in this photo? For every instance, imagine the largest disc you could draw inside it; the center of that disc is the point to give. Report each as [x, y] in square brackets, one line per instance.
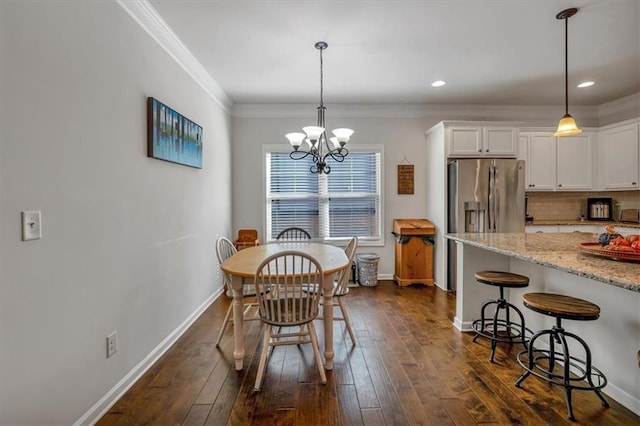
[244, 264]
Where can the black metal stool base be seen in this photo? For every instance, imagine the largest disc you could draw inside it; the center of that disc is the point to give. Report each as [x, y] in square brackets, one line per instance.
[501, 330]
[558, 367]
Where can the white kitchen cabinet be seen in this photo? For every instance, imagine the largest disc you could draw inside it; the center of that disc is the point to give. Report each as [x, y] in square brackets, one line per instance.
[619, 157]
[540, 161]
[591, 229]
[574, 162]
[557, 164]
[626, 231]
[466, 141]
[532, 229]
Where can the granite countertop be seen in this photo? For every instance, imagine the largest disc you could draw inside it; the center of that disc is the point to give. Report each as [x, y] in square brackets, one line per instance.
[559, 222]
[559, 251]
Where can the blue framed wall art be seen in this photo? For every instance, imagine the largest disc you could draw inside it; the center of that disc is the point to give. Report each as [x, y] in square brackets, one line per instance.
[173, 137]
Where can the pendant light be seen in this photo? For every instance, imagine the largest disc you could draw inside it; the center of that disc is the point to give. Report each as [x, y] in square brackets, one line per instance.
[567, 125]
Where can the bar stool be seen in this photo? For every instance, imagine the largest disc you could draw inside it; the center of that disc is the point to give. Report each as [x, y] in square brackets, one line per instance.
[542, 363]
[499, 329]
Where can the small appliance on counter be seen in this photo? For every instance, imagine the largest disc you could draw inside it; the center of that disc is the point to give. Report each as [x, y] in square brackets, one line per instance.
[599, 209]
[527, 218]
[630, 215]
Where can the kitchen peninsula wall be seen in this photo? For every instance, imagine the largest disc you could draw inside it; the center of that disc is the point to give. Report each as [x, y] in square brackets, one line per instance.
[570, 205]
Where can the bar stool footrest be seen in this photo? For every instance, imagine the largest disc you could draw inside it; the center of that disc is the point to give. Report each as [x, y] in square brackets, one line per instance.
[540, 369]
[508, 332]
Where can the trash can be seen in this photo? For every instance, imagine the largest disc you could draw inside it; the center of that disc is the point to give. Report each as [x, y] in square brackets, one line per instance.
[368, 269]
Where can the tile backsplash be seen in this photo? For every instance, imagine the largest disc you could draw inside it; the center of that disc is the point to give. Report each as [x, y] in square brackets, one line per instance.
[570, 205]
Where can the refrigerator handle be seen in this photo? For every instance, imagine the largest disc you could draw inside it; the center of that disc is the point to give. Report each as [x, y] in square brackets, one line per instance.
[492, 200]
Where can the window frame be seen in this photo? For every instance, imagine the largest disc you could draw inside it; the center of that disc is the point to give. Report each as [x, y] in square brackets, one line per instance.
[375, 148]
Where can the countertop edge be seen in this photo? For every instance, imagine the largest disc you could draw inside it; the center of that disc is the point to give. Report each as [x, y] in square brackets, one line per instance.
[577, 222]
[634, 287]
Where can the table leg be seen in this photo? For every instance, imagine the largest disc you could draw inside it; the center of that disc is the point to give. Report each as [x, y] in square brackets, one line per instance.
[327, 300]
[238, 322]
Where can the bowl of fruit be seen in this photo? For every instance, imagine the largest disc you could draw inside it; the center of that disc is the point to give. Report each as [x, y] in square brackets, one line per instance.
[615, 246]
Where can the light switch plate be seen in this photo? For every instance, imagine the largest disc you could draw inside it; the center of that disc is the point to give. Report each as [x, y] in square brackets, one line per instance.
[31, 225]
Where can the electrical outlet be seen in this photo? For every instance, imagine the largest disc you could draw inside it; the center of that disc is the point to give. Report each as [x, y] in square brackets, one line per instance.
[112, 344]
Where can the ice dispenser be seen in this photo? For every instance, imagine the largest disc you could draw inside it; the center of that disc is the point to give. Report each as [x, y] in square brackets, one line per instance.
[474, 216]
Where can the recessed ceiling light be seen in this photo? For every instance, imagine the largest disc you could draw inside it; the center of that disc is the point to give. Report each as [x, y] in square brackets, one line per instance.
[586, 84]
[438, 83]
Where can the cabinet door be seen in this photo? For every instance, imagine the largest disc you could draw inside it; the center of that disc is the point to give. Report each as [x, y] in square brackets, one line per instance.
[590, 229]
[574, 161]
[541, 168]
[627, 231]
[465, 141]
[500, 141]
[539, 229]
[619, 157]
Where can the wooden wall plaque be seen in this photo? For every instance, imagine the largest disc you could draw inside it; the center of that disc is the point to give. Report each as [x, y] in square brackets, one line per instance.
[405, 178]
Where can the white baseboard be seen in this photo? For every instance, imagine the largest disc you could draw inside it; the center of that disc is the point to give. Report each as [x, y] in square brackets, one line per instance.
[103, 405]
[462, 326]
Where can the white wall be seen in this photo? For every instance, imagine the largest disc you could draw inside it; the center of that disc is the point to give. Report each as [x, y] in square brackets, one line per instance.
[128, 241]
[402, 137]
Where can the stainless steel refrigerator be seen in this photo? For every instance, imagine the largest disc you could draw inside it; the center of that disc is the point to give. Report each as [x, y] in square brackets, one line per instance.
[484, 195]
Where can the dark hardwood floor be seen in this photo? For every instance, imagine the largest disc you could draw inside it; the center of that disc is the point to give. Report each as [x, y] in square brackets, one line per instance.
[410, 366]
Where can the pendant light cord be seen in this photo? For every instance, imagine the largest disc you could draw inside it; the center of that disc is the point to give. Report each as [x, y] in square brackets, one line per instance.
[566, 65]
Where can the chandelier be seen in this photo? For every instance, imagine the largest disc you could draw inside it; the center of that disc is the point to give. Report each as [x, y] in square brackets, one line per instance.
[317, 145]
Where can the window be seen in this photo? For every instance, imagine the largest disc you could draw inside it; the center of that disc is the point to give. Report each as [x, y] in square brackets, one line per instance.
[336, 206]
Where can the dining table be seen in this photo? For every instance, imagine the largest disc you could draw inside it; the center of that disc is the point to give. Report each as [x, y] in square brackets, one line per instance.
[243, 265]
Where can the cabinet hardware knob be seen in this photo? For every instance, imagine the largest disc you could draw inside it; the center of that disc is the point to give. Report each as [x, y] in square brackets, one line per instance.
[486, 150]
[559, 185]
[634, 183]
[479, 150]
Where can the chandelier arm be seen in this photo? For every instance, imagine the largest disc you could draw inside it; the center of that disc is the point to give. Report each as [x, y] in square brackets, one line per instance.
[300, 155]
[337, 154]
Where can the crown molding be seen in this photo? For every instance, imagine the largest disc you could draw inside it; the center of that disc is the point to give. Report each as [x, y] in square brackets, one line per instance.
[631, 102]
[627, 107]
[540, 114]
[149, 19]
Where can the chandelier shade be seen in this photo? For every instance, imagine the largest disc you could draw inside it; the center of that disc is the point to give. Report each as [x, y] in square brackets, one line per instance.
[318, 145]
[567, 125]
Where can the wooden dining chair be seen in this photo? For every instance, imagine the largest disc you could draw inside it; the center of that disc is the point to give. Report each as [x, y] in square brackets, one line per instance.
[341, 289]
[283, 304]
[293, 234]
[225, 249]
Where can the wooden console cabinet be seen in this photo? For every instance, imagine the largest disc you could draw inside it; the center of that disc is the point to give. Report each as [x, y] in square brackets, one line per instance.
[414, 251]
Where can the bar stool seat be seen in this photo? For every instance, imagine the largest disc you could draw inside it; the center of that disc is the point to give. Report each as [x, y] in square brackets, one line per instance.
[496, 328]
[556, 364]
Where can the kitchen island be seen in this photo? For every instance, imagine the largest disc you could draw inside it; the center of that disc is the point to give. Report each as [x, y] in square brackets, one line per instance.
[554, 263]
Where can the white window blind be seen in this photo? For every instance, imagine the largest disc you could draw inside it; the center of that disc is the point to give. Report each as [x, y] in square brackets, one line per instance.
[336, 206]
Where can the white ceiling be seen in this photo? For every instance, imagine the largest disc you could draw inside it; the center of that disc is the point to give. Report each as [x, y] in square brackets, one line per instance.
[491, 52]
